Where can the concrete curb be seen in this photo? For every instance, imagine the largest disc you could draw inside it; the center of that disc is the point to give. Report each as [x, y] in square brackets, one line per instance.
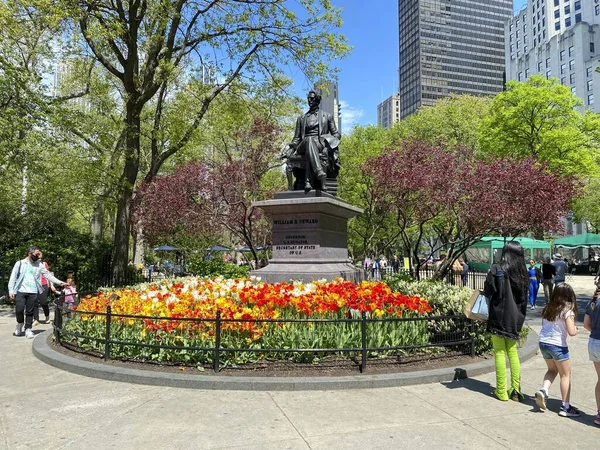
[45, 353]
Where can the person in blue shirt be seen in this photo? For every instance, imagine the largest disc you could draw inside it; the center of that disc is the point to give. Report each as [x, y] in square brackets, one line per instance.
[535, 277]
[591, 322]
[24, 285]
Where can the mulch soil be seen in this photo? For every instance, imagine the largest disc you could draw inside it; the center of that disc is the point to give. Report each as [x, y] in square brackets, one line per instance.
[328, 366]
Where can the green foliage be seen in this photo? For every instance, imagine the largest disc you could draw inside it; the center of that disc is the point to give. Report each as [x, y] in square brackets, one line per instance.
[538, 118]
[454, 121]
[215, 266]
[446, 299]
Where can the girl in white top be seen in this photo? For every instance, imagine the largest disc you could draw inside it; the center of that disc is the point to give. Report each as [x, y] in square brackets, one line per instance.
[558, 322]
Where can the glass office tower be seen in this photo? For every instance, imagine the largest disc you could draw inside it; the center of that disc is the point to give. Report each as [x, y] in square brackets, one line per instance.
[450, 47]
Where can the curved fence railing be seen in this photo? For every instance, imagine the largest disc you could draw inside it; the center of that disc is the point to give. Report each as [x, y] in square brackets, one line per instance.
[448, 332]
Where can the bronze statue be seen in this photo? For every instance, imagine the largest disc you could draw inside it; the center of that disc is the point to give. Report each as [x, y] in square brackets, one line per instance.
[313, 156]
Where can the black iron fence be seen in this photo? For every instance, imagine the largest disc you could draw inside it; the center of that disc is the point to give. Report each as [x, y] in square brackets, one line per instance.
[451, 332]
[471, 279]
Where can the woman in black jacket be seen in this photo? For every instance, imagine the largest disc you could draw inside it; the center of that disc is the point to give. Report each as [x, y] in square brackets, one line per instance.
[507, 287]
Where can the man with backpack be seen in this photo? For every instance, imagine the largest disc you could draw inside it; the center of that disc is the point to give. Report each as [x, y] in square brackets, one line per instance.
[25, 285]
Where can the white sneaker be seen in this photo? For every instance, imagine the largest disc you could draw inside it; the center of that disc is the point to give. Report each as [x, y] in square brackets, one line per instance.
[29, 333]
[18, 330]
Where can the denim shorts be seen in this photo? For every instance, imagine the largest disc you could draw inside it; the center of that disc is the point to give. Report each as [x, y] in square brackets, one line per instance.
[551, 351]
[594, 349]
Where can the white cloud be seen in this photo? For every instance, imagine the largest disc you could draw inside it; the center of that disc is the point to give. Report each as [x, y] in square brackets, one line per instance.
[350, 115]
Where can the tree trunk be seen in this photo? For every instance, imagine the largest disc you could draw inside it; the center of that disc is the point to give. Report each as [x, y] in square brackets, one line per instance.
[97, 221]
[128, 179]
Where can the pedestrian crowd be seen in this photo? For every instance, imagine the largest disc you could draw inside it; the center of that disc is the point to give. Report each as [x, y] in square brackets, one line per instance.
[510, 286]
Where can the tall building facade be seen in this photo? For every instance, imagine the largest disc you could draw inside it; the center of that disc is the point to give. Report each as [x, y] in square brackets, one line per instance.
[557, 38]
[388, 111]
[330, 101]
[450, 47]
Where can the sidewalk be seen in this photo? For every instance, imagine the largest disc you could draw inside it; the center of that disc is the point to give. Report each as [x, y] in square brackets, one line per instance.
[45, 408]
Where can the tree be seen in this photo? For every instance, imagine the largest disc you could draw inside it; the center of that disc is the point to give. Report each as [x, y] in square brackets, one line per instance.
[537, 118]
[458, 199]
[454, 120]
[208, 198]
[371, 232]
[145, 45]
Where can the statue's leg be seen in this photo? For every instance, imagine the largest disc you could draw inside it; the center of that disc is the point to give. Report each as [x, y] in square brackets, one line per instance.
[314, 158]
[289, 173]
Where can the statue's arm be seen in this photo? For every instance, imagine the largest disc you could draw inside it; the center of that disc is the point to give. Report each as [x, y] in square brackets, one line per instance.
[297, 134]
[332, 127]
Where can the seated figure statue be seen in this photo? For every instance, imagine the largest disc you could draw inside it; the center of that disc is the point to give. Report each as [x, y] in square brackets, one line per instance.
[313, 154]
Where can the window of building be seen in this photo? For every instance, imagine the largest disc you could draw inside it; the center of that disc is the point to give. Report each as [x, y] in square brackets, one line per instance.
[518, 44]
[544, 34]
[518, 34]
[512, 48]
[568, 22]
[567, 9]
[598, 10]
[557, 26]
[590, 85]
[547, 63]
[556, 2]
[525, 49]
[577, 17]
[526, 73]
[574, 90]
[557, 14]
[524, 28]
[571, 50]
[591, 99]
[572, 78]
[520, 76]
[577, 5]
[563, 80]
[548, 74]
[562, 55]
[563, 68]
[524, 39]
[588, 72]
[572, 64]
[592, 47]
[539, 66]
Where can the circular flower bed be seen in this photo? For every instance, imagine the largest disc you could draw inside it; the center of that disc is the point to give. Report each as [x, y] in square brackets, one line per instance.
[241, 303]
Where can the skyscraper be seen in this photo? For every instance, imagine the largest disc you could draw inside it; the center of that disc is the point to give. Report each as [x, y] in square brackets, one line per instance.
[560, 39]
[330, 101]
[388, 111]
[450, 47]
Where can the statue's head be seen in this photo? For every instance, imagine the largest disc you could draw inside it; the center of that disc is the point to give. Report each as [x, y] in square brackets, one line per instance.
[313, 98]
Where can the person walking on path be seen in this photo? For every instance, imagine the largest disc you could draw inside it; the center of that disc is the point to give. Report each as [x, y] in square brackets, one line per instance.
[506, 286]
[561, 268]
[548, 274]
[24, 285]
[42, 299]
[591, 322]
[535, 277]
[558, 322]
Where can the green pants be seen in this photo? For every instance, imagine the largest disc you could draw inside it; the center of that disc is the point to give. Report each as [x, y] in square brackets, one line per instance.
[502, 348]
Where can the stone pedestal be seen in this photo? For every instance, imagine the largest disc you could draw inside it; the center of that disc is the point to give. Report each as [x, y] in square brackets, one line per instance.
[310, 238]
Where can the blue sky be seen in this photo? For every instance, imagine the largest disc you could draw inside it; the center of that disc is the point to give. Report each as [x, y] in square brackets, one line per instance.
[370, 73]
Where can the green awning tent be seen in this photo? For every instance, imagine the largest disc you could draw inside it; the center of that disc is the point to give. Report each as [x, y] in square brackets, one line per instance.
[480, 255]
[586, 240]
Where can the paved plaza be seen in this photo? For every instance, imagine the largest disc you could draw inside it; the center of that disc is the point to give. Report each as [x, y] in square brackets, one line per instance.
[45, 408]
